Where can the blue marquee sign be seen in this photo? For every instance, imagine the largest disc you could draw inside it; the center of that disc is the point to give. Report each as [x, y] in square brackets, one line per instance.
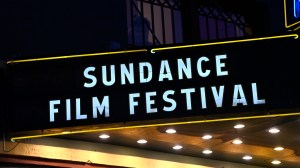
[296, 8]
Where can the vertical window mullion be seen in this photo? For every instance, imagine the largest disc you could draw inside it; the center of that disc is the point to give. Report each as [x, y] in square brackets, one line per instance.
[132, 23]
[235, 30]
[207, 27]
[217, 27]
[226, 29]
[163, 24]
[143, 22]
[153, 27]
[173, 25]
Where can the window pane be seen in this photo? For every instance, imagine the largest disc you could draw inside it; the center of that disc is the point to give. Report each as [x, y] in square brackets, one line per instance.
[203, 28]
[168, 26]
[212, 28]
[178, 26]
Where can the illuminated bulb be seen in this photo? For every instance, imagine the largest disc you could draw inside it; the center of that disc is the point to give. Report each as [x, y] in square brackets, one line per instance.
[170, 131]
[237, 141]
[275, 162]
[142, 141]
[177, 147]
[207, 151]
[207, 137]
[274, 130]
[66, 132]
[239, 126]
[278, 148]
[104, 136]
[247, 157]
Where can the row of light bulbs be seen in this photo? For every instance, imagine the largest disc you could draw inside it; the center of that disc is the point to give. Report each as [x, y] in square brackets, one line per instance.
[207, 137]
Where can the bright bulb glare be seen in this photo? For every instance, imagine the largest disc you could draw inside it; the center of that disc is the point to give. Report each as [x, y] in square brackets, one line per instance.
[207, 137]
[237, 141]
[177, 147]
[276, 162]
[104, 136]
[66, 132]
[247, 157]
[170, 131]
[274, 130]
[142, 141]
[207, 151]
[239, 126]
[279, 148]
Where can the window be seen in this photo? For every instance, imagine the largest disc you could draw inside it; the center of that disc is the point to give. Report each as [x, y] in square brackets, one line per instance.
[154, 22]
[215, 24]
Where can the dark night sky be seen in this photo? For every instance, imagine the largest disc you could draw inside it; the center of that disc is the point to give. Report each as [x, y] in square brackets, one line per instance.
[35, 28]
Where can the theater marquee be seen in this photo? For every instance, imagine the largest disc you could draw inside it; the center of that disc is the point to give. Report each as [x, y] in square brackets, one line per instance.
[218, 78]
[185, 70]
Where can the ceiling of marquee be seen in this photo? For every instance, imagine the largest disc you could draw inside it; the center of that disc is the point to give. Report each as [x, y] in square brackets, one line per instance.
[257, 141]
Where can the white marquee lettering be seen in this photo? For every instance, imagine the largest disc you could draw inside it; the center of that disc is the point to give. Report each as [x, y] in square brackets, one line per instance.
[89, 76]
[133, 103]
[150, 102]
[184, 68]
[100, 107]
[220, 65]
[187, 93]
[203, 97]
[238, 96]
[200, 68]
[79, 116]
[218, 96]
[127, 74]
[165, 71]
[169, 100]
[68, 109]
[255, 97]
[112, 75]
[148, 66]
[52, 109]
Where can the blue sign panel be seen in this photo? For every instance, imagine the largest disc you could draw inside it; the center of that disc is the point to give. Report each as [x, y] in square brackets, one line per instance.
[292, 14]
[297, 8]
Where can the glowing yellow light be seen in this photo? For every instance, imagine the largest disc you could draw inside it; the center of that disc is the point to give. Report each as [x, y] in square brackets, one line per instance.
[104, 136]
[247, 157]
[66, 132]
[239, 126]
[237, 141]
[274, 130]
[206, 137]
[297, 28]
[170, 131]
[155, 125]
[276, 162]
[278, 148]
[142, 141]
[207, 151]
[177, 147]
[295, 36]
[75, 56]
